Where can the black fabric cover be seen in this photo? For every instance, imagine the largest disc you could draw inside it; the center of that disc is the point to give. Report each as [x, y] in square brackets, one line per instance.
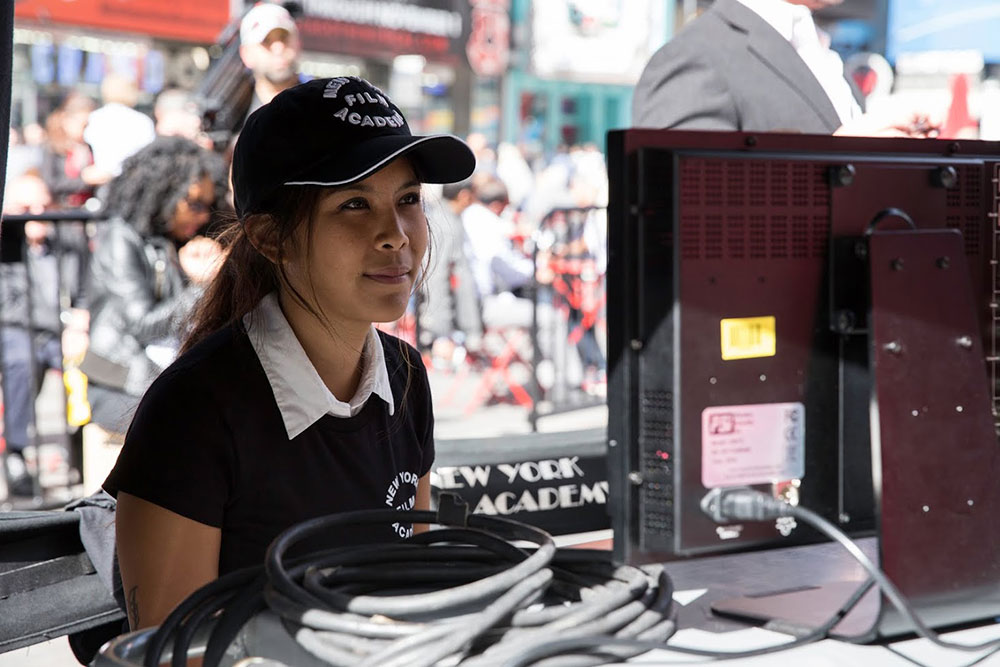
[50, 588]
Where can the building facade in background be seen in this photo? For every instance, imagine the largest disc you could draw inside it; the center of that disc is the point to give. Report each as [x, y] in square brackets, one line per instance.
[540, 73]
[574, 65]
[61, 46]
[441, 60]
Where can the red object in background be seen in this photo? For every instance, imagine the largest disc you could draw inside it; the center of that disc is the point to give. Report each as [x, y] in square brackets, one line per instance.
[865, 78]
[185, 20]
[488, 46]
[958, 113]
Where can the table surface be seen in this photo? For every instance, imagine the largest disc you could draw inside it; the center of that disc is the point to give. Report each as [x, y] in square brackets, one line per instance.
[701, 581]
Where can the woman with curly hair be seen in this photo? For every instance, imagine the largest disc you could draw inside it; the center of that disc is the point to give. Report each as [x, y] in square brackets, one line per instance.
[148, 270]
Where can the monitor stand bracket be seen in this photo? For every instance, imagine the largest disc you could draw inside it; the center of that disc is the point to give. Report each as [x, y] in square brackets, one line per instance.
[935, 454]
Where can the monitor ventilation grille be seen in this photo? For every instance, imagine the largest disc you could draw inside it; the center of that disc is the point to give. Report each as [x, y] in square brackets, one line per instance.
[656, 444]
[964, 207]
[993, 353]
[753, 209]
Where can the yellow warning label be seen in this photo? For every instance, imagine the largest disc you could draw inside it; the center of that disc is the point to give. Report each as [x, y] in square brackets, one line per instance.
[748, 338]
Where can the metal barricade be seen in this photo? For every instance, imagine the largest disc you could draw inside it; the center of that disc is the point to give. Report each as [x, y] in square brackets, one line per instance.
[67, 250]
[568, 328]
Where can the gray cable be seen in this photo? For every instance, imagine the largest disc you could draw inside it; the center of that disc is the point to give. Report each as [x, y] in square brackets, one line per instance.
[745, 504]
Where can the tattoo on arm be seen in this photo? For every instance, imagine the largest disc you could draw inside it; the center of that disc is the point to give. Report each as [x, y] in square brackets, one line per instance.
[132, 604]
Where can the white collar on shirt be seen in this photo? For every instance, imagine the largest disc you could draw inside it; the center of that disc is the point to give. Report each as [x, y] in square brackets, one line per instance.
[779, 14]
[795, 23]
[301, 395]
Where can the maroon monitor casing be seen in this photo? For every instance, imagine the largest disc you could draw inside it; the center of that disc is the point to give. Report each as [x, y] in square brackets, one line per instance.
[706, 226]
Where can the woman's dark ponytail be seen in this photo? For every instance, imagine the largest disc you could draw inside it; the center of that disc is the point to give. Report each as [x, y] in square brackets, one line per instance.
[247, 276]
[244, 278]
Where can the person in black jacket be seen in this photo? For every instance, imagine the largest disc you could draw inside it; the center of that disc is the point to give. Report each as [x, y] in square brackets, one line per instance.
[148, 269]
[287, 403]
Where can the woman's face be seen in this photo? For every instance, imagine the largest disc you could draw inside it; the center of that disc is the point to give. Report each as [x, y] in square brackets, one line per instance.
[194, 210]
[367, 242]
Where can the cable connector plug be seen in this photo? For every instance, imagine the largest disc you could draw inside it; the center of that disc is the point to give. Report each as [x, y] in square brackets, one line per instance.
[452, 510]
[741, 503]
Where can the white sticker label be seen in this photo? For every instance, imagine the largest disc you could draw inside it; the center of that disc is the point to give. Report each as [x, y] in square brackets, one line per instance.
[752, 444]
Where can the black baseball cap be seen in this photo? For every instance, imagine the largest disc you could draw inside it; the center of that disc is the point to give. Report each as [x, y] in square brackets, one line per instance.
[334, 132]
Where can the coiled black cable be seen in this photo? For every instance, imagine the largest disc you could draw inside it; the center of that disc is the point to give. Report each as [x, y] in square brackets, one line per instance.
[211, 596]
[464, 593]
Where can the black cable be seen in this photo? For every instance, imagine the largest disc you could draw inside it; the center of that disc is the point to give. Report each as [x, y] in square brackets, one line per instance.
[891, 212]
[547, 649]
[247, 603]
[720, 506]
[210, 592]
[186, 632]
[463, 593]
[475, 596]
[414, 649]
[750, 505]
[503, 591]
[889, 589]
[401, 606]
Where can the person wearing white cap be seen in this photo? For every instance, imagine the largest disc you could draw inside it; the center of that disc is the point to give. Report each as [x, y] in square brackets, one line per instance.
[269, 46]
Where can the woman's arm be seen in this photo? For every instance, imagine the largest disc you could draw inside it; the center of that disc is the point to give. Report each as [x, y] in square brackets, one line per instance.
[163, 556]
[423, 501]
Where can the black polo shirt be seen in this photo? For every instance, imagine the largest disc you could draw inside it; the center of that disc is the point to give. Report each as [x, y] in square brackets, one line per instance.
[208, 443]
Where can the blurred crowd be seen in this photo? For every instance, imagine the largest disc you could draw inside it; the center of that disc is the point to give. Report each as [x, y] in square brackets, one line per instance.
[103, 294]
[518, 251]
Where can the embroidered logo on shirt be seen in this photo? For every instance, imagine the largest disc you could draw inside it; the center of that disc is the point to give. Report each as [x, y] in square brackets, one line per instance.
[402, 495]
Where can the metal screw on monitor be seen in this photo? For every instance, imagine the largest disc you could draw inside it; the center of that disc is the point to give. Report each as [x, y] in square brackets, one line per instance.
[915, 413]
[612, 443]
[763, 378]
[893, 347]
[944, 177]
[897, 264]
[635, 344]
[635, 478]
[959, 408]
[926, 508]
[964, 342]
[845, 320]
[970, 502]
[842, 175]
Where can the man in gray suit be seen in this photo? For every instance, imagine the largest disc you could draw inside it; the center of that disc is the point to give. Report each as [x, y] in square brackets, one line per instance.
[749, 65]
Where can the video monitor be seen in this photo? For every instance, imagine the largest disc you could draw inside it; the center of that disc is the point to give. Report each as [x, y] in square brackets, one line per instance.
[739, 300]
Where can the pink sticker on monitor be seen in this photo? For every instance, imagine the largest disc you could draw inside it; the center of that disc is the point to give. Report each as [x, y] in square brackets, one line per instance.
[752, 444]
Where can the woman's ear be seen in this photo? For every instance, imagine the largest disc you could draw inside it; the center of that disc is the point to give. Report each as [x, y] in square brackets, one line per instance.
[263, 235]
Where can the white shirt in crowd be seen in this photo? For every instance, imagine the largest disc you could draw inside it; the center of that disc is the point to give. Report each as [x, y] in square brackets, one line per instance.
[299, 391]
[795, 23]
[496, 266]
[115, 132]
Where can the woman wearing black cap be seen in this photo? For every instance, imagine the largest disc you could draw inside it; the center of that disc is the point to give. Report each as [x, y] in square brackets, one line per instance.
[287, 403]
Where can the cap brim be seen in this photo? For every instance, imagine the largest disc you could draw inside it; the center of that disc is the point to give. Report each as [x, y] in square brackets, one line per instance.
[438, 158]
